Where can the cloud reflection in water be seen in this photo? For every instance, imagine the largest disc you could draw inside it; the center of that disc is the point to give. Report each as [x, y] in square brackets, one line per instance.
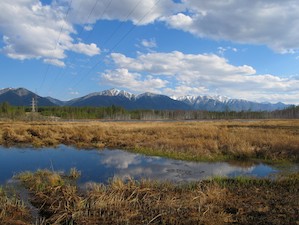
[100, 166]
[127, 164]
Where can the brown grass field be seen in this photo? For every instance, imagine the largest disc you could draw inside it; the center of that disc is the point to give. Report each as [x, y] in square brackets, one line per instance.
[272, 140]
[218, 201]
[59, 200]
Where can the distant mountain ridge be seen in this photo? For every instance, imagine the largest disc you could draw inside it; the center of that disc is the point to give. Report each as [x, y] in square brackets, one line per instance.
[129, 101]
[23, 97]
[221, 103]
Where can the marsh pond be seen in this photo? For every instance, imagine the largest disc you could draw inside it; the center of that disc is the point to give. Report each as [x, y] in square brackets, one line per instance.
[102, 165]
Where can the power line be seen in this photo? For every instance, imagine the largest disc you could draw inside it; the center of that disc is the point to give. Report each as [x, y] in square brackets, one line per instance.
[102, 14]
[62, 26]
[87, 18]
[118, 27]
[113, 33]
[118, 43]
[90, 13]
[56, 44]
[121, 24]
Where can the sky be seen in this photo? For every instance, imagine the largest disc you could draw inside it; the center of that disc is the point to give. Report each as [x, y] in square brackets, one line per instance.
[66, 49]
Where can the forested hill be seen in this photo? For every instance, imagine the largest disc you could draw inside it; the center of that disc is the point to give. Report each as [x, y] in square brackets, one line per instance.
[118, 113]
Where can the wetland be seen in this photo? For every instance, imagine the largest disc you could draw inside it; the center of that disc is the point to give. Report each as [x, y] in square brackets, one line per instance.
[103, 165]
[190, 172]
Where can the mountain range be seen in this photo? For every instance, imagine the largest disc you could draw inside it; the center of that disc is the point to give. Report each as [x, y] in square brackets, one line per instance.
[23, 97]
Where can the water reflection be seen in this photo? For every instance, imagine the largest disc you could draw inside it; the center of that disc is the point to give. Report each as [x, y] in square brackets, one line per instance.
[139, 166]
[99, 166]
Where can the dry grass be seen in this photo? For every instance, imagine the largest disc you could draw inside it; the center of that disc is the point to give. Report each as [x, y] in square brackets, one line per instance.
[132, 202]
[13, 210]
[270, 140]
[156, 203]
[262, 201]
[219, 201]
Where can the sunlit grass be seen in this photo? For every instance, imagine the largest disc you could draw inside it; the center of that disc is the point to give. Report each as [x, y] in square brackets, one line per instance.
[269, 140]
[125, 202]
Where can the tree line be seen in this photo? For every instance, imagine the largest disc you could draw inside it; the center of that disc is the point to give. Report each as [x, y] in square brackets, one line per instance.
[118, 113]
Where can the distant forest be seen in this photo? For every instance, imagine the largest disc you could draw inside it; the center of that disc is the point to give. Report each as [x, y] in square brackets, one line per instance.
[118, 113]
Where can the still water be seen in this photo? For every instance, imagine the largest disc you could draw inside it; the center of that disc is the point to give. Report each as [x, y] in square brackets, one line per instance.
[102, 165]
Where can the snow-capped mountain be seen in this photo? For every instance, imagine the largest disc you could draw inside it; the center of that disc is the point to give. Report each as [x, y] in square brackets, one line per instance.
[222, 103]
[111, 92]
[149, 100]
[189, 99]
[116, 92]
[128, 100]
[220, 98]
[2, 91]
[192, 99]
[147, 94]
[22, 96]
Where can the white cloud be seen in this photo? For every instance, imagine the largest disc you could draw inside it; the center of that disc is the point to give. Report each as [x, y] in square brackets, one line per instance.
[183, 90]
[179, 21]
[259, 22]
[151, 43]
[120, 159]
[180, 65]
[88, 28]
[133, 81]
[31, 30]
[176, 73]
[270, 23]
[139, 12]
[55, 62]
[89, 50]
[136, 166]
[222, 50]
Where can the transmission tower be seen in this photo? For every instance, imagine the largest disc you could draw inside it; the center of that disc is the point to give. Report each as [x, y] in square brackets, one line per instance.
[34, 104]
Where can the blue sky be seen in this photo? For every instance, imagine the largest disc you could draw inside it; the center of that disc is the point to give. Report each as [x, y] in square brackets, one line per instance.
[69, 48]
